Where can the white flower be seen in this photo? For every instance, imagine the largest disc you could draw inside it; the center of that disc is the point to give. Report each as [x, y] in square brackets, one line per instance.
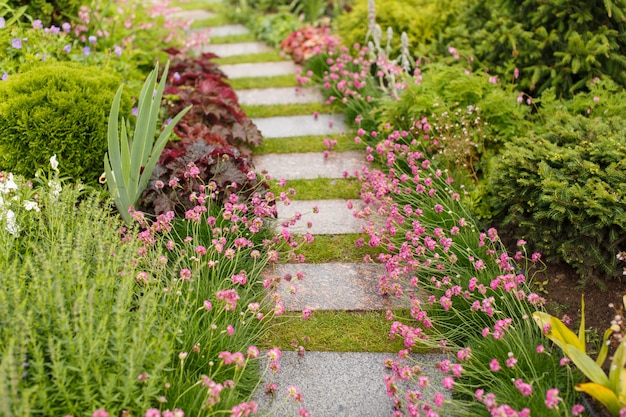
[54, 163]
[55, 187]
[11, 224]
[8, 184]
[31, 205]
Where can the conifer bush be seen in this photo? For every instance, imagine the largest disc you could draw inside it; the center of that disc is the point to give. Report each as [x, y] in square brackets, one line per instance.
[57, 108]
[565, 190]
[555, 43]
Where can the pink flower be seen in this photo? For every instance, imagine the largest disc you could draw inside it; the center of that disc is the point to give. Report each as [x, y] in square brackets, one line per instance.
[185, 274]
[511, 361]
[540, 349]
[306, 313]
[577, 409]
[152, 412]
[100, 413]
[494, 365]
[230, 330]
[207, 305]
[552, 398]
[524, 388]
[448, 382]
[253, 352]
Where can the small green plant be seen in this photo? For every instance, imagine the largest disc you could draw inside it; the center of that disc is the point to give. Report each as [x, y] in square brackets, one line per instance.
[609, 389]
[129, 163]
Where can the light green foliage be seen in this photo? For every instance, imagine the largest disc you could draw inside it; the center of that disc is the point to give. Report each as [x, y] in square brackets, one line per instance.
[321, 188]
[288, 80]
[57, 108]
[421, 20]
[564, 189]
[130, 161]
[77, 330]
[274, 28]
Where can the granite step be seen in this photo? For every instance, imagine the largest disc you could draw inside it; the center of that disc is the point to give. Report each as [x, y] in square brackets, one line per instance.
[334, 217]
[228, 30]
[285, 95]
[261, 69]
[233, 49]
[336, 384]
[333, 286]
[306, 166]
[288, 126]
[192, 15]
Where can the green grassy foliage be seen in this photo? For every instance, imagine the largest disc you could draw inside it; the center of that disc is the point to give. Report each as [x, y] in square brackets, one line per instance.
[57, 108]
[287, 80]
[333, 331]
[301, 144]
[271, 56]
[337, 248]
[321, 188]
[284, 109]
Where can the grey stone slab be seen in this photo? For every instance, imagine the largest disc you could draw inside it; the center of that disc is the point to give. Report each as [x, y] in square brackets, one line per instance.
[262, 69]
[286, 126]
[287, 95]
[228, 30]
[233, 49]
[191, 15]
[313, 165]
[333, 218]
[337, 384]
[333, 286]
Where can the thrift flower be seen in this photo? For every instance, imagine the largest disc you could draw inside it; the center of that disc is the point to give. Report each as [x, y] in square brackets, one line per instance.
[494, 365]
[577, 410]
[552, 398]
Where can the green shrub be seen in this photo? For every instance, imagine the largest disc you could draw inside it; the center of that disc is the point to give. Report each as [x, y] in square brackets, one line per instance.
[564, 190]
[554, 43]
[55, 12]
[422, 20]
[57, 108]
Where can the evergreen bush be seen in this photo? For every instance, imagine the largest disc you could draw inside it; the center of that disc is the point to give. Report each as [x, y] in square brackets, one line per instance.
[57, 108]
[545, 43]
[564, 190]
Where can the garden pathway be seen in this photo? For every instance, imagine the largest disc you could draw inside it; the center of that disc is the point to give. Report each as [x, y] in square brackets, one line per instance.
[333, 384]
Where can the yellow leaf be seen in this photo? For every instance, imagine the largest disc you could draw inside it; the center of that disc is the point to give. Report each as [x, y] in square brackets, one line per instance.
[602, 394]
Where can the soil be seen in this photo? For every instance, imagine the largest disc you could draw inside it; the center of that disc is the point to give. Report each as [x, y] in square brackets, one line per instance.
[563, 291]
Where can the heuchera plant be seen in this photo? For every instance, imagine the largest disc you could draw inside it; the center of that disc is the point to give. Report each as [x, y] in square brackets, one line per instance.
[171, 188]
[308, 42]
[200, 83]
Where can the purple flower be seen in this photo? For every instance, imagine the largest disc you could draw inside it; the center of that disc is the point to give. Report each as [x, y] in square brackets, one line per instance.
[2, 22]
[4, 76]
[16, 43]
[118, 50]
[37, 24]
[93, 39]
[66, 27]
[67, 48]
[135, 111]
[55, 30]
[86, 50]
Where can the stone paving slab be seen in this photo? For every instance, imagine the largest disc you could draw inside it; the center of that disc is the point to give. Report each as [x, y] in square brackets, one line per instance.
[312, 165]
[336, 384]
[333, 218]
[286, 126]
[229, 30]
[191, 15]
[334, 286]
[286, 95]
[262, 69]
[232, 49]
